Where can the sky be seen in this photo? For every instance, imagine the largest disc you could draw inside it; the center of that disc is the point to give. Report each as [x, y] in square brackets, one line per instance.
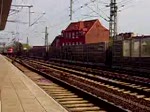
[133, 16]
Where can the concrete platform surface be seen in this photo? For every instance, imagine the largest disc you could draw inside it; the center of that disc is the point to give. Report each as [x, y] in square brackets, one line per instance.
[20, 94]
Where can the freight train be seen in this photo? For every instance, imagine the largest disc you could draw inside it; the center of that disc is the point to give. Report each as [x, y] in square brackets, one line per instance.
[132, 54]
[128, 54]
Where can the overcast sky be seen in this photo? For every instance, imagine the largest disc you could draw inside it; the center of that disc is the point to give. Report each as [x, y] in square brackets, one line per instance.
[133, 16]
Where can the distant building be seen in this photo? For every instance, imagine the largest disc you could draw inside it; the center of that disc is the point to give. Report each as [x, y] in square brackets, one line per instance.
[130, 35]
[142, 36]
[57, 41]
[82, 32]
[123, 36]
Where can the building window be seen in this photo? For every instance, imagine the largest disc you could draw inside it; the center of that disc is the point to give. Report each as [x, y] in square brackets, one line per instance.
[69, 34]
[77, 34]
[73, 35]
[80, 43]
[69, 43]
[65, 35]
[80, 33]
[62, 34]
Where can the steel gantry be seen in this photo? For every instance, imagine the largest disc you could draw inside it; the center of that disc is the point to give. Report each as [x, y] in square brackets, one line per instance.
[113, 20]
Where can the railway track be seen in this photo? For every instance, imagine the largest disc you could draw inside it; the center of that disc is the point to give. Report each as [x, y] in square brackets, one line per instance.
[140, 89]
[137, 84]
[123, 97]
[108, 74]
[98, 67]
[131, 79]
[71, 99]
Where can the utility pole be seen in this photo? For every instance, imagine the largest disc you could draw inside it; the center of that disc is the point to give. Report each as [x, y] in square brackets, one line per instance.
[46, 41]
[28, 6]
[112, 32]
[71, 10]
[27, 41]
[27, 47]
[113, 20]
[29, 15]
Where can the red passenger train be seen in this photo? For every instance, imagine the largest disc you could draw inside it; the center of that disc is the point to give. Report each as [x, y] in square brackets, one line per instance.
[10, 50]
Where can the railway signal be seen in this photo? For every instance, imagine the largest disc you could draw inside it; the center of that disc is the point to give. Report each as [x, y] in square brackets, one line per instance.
[46, 42]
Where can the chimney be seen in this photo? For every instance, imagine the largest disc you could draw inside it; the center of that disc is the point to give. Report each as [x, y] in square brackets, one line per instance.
[81, 25]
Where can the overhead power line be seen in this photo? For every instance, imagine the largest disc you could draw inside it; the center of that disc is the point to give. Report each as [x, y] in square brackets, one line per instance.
[15, 21]
[98, 14]
[27, 6]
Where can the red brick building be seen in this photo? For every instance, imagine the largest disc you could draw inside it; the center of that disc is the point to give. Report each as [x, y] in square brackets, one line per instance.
[82, 32]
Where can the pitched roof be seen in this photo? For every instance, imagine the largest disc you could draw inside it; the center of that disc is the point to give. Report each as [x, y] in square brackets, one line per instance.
[81, 25]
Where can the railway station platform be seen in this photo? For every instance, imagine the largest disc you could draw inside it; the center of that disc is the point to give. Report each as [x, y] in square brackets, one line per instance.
[20, 94]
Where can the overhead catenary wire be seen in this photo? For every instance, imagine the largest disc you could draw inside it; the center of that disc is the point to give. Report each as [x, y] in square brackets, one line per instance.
[85, 7]
[98, 14]
[60, 24]
[67, 21]
[99, 9]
